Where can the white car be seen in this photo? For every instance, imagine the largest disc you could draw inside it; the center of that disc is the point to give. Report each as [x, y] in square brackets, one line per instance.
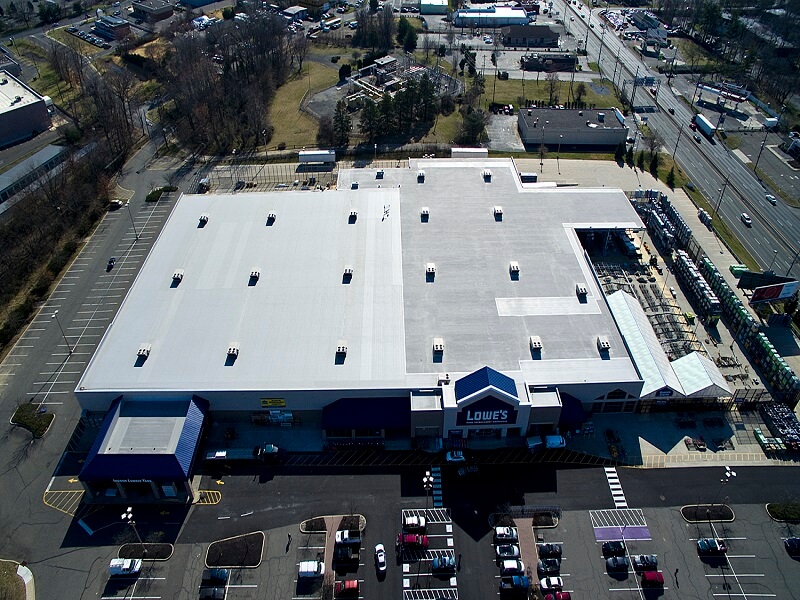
[551, 583]
[455, 456]
[772, 199]
[380, 558]
[506, 534]
[746, 219]
[124, 566]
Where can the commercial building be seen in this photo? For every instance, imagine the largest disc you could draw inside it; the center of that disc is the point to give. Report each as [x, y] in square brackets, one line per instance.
[23, 174]
[153, 11]
[491, 16]
[529, 36]
[23, 112]
[444, 303]
[315, 7]
[296, 13]
[433, 7]
[549, 62]
[571, 128]
[112, 28]
[9, 65]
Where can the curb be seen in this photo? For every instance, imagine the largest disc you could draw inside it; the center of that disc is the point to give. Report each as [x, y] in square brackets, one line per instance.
[362, 522]
[260, 558]
[733, 515]
[171, 551]
[766, 508]
[26, 575]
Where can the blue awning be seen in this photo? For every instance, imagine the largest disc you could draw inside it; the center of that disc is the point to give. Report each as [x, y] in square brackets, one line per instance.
[106, 462]
[483, 378]
[368, 413]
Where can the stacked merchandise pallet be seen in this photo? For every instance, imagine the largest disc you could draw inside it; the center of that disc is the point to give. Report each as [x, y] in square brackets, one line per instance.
[660, 229]
[774, 369]
[705, 298]
[682, 231]
[783, 423]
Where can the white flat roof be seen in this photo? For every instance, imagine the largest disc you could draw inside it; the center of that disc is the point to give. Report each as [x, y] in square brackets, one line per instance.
[288, 324]
[12, 89]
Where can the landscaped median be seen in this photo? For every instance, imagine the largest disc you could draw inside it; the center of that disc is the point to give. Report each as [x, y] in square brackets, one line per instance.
[238, 552]
[33, 418]
[784, 512]
[12, 586]
[319, 524]
[146, 551]
[703, 513]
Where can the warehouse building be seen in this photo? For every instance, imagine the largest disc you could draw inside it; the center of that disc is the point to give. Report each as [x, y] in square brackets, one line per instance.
[572, 128]
[490, 16]
[433, 7]
[23, 112]
[112, 28]
[530, 36]
[444, 304]
[153, 11]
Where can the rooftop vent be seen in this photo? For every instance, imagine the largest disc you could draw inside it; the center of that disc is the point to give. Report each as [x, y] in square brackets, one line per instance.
[438, 345]
[271, 218]
[580, 289]
[513, 268]
[536, 343]
[203, 219]
[444, 379]
[255, 274]
[177, 276]
[487, 175]
[347, 276]
[379, 174]
[341, 347]
[420, 176]
[430, 268]
[144, 350]
[498, 213]
[603, 345]
[601, 117]
[354, 185]
[233, 349]
[424, 214]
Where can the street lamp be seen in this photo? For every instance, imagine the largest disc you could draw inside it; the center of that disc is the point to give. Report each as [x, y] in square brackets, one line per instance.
[127, 517]
[764, 143]
[558, 154]
[674, 152]
[774, 256]
[729, 476]
[130, 214]
[427, 483]
[794, 260]
[64, 335]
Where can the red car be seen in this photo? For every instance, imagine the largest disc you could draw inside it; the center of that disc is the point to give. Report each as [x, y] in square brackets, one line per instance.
[692, 126]
[412, 539]
[557, 596]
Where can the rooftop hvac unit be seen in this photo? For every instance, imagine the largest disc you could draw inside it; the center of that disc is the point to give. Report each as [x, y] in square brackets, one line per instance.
[444, 379]
[348, 271]
[354, 185]
[603, 345]
[341, 347]
[379, 174]
[438, 345]
[487, 175]
[255, 274]
[420, 176]
[177, 275]
[535, 342]
[430, 268]
[144, 350]
[353, 216]
[498, 211]
[203, 219]
[271, 218]
[513, 266]
[425, 212]
[580, 289]
[233, 349]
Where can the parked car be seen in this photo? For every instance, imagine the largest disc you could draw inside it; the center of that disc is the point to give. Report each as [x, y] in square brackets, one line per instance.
[746, 219]
[214, 577]
[124, 566]
[443, 564]
[455, 456]
[551, 584]
[615, 548]
[652, 579]
[512, 567]
[414, 523]
[346, 588]
[507, 551]
[380, 558]
[311, 568]
[711, 546]
[548, 566]
[617, 563]
[212, 593]
[111, 262]
[792, 546]
[558, 596]
[645, 562]
[412, 539]
[506, 534]
[549, 550]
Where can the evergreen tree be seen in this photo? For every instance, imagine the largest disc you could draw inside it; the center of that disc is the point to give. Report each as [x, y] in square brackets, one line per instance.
[373, 5]
[654, 162]
[370, 124]
[410, 40]
[629, 156]
[325, 136]
[426, 100]
[402, 29]
[386, 115]
[671, 178]
[640, 161]
[342, 124]
[473, 128]
[619, 153]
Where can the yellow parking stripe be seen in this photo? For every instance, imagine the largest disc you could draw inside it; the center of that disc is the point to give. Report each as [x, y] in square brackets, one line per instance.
[66, 501]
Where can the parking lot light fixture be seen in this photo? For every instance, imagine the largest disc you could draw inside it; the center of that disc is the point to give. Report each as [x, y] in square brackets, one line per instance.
[427, 483]
[64, 335]
[127, 517]
[130, 214]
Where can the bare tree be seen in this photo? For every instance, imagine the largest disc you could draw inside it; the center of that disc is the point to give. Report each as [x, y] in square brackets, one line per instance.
[553, 82]
[654, 142]
[428, 44]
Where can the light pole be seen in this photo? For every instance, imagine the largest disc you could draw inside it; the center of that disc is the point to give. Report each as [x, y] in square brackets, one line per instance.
[774, 256]
[127, 517]
[64, 335]
[130, 214]
[674, 152]
[427, 483]
[764, 143]
[719, 200]
[600, 54]
[794, 260]
[729, 476]
[266, 152]
[558, 154]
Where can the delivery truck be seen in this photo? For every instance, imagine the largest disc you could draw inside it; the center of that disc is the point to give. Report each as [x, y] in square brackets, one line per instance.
[704, 125]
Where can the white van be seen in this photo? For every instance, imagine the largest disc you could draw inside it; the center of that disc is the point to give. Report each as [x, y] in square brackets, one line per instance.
[125, 566]
[311, 568]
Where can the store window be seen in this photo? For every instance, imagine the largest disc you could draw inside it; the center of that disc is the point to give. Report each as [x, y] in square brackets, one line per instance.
[617, 395]
[368, 433]
[613, 407]
[629, 407]
[339, 433]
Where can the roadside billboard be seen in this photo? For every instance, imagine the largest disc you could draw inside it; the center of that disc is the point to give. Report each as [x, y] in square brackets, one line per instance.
[771, 293]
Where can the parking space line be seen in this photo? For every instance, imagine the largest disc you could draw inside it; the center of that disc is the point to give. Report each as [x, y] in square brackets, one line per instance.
[743, 595]
[740, 575]
[741, 555]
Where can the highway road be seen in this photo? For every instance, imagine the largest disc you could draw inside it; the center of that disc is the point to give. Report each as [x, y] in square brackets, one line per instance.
[708, 165]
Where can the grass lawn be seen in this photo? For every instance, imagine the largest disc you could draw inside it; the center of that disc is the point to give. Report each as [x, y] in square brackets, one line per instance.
[66, 38]
[784, 511]
[509, 91]
[48, 82]
[27, 416]
[293, 127]
[447, 129]
[684, 45]
[11, 586]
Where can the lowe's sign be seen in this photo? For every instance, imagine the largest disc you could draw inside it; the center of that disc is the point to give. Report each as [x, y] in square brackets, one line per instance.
[487, 411]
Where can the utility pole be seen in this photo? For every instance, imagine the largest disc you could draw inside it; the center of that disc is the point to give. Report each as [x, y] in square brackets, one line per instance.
[633, 95]
[674, 152]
